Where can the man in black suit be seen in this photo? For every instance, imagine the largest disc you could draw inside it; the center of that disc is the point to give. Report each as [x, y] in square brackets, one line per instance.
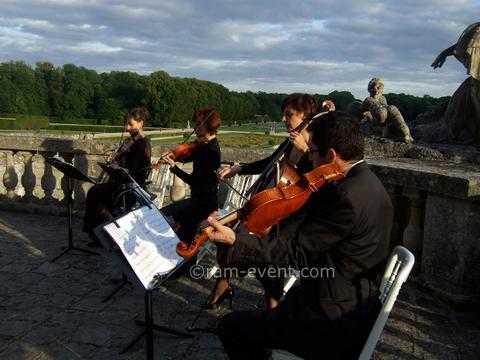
[344, 228]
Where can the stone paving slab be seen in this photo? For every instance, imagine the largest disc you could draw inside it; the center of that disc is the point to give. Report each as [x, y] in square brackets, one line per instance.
[54, 310]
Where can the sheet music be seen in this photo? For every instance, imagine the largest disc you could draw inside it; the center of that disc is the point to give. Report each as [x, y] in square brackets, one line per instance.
[148, 243]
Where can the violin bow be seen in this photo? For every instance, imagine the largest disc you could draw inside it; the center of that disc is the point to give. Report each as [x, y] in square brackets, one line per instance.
[196, 127]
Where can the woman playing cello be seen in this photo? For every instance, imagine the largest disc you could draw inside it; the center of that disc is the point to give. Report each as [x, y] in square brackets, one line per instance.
[297, 109]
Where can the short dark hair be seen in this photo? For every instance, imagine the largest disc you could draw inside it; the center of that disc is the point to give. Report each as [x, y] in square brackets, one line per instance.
[138, 113]
[340, 131]
[301, 102]
[212, 123]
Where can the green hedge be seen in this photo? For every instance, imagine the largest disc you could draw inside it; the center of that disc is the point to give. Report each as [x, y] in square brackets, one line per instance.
[34, 123]
[90, 128]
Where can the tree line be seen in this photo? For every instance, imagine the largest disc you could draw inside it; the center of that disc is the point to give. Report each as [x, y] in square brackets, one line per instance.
[75, 94]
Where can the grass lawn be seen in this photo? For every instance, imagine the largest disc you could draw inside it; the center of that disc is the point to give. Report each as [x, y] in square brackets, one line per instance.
[240, 140]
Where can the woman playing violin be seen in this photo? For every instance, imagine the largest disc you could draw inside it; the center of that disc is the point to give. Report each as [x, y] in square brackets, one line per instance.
[188, 213]
[133, 154]
[297, 109]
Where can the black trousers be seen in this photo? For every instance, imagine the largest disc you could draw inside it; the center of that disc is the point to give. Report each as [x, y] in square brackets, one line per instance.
[101, 197]
[298, 327]
[188, 213]
[250, 334]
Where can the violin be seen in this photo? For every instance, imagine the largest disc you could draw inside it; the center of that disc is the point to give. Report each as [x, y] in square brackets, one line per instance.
[124, 147]
[269, 207]
[181, 152]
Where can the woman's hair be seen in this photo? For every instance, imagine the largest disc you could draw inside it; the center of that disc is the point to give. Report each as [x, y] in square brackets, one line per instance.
[340, 131]
[138, 114]
[301, 102]
[210, 118]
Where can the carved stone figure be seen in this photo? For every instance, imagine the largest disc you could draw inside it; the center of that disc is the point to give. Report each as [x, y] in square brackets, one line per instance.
[462, 116]
[376, 110]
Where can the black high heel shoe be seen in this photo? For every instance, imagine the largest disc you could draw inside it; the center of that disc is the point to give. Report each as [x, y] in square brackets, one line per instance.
[227, 294]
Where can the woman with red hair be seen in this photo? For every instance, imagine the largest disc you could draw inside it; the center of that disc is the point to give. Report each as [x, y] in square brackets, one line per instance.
[188, 213]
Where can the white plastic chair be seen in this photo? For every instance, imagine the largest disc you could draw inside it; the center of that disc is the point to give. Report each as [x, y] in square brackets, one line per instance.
[233, 200]
[396, 273]
[158, 183]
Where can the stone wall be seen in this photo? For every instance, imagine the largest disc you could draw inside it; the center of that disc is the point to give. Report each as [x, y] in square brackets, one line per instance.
[437, 202]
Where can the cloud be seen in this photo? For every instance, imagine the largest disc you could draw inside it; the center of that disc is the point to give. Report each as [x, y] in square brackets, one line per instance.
[272, 45]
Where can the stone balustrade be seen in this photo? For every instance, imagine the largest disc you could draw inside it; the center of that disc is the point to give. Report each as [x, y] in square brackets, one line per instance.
[437, 203]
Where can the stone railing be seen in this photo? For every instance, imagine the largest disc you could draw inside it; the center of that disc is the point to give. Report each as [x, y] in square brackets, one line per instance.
[437, 212]
[437, 203]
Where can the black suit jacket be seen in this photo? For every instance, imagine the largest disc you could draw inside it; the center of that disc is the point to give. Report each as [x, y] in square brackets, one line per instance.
[345, 227]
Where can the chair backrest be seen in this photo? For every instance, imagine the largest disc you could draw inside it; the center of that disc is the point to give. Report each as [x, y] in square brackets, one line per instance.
[396, 273]
[158, 183]
[241, 183]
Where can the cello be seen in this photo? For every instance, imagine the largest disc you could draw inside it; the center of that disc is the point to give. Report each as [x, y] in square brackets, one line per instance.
[285, 170]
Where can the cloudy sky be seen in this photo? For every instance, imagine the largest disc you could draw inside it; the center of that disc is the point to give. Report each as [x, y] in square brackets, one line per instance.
[312, 46]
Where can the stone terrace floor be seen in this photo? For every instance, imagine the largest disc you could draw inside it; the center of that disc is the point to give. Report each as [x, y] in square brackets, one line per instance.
[54, 311]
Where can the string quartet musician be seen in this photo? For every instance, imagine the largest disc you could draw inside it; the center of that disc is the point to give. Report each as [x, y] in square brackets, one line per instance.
[188, 213]
[344, 228]
[296, 108]
[134, 154]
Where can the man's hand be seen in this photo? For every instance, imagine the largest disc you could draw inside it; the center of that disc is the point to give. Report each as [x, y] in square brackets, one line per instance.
[221, 234]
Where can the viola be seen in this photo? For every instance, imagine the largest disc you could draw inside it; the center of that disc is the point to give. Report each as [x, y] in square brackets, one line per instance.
[269, 207]
[125, 146]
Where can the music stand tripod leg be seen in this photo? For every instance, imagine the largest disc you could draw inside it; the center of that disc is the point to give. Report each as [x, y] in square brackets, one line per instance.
[117, 288]
[70, 228]
[148, 327]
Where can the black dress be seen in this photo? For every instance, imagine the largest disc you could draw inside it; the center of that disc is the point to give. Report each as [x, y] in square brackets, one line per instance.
[188, 213]
[257, 167]
[104, 196]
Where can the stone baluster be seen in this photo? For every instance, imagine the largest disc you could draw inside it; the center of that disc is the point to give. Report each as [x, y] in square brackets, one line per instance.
[28, 179]
[413, 234]
[3, 170]
[178, 190]
[87, 164]
[19, 167]
[48, 182]
[58, 193]
[10, 177]
[38, 169]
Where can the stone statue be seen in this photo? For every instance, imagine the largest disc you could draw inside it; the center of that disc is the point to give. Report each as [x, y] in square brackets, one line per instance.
[376, 110]
[462, 116]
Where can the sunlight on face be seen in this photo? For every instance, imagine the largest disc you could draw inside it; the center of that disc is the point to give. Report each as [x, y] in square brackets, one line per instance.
[292, 118]
[134, 126]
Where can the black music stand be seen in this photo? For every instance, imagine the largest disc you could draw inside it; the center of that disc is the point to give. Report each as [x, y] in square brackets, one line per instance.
[122, 176]
[71, 173]
[130, 276]
[148, 325]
